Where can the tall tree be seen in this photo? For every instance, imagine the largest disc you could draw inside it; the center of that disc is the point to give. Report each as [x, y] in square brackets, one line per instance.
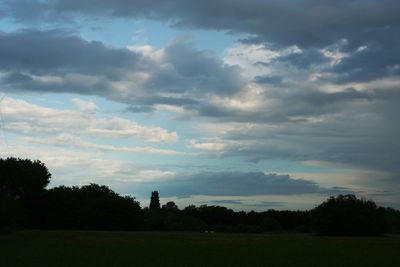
[154, 201]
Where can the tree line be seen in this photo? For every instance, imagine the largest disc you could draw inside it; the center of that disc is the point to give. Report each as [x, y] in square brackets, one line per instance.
[26, 203]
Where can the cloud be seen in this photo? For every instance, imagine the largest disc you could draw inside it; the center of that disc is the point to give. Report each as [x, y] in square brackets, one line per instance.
[306, 22]
[66, 164]
[180, 76]
[33, 120]
[369, 29]
[235, 184]
[364, 135]
[208, 146]
[57, 61]
[197, 71]
[85, 106]
[267, 79]
[70, 141]
[58, 52]
[375, 59]
[356, 127]
[246, 203]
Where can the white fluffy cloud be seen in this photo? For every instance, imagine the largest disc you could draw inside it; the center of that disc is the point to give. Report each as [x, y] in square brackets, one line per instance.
[85, 106]
[30, 119]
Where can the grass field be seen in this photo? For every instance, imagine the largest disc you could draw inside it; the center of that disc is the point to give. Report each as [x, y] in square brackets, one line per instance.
[46, 248]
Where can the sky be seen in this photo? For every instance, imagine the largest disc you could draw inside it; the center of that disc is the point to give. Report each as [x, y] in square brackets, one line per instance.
[253, 105]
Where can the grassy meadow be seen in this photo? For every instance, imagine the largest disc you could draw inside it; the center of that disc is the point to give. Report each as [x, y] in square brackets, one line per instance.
[73, 248]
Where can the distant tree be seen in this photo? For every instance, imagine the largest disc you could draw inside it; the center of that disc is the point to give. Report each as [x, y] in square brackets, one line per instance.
[347, 215]
[393, 220]
[154, 201]
[216, 216]
[170, 206]
[191, 210]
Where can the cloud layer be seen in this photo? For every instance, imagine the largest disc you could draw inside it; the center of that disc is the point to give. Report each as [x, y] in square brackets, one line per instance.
[306, 21]
[236, 184]
[56, 61]
[23, 117]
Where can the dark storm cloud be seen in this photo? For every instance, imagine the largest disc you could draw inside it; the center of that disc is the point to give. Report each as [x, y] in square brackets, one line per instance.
[145, 104]
[361, 131]
[59, 52]
[305, 59]
[268, 79]
[236, 184]
[244, 203]
[303, 22]
[365, 150]
[196, 70]
[379, 58]
[310, 24]
[294, 103]
[58, 61]
[16, 78]
[224, 202]
[264, 204]
[312, 102]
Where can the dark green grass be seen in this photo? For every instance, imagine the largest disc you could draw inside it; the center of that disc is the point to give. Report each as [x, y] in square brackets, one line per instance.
[64, 248]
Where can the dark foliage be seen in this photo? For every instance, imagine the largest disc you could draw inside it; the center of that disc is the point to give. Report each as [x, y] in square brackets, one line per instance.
[392, 219]
[91, 207]
[22, 191]
[347, 215]
[11, 214]
[154, 201]
[22, 179]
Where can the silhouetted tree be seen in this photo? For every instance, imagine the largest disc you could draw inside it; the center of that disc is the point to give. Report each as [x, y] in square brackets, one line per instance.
[154, 201]
[92, 207]
[172, 218]
[347, 215]
[22, 179]
[392, 218]
[170, 206]
[22, 186]
[154, 217]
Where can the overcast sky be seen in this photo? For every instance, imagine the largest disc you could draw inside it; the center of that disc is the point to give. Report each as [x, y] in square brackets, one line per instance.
[253, 104]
